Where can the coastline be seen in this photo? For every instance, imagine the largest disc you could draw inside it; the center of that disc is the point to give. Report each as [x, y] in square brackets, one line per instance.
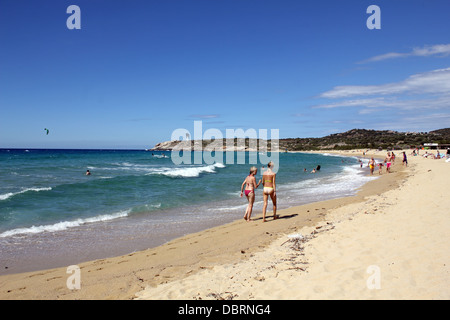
[187, 257]
[392, 245]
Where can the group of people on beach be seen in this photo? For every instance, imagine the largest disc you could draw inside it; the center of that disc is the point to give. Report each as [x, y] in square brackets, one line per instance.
[438, 155]
[269, 190]
[390, 159]
[388, 162]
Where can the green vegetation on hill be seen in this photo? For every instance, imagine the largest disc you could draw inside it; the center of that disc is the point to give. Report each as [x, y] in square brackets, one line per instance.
[368, 139]
[352, 139]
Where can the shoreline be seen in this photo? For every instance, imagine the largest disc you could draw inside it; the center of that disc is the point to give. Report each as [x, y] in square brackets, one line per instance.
[53, 251]
[392, 245]
[122, 277]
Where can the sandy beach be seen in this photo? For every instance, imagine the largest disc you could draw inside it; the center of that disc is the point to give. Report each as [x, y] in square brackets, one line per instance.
[387, 242]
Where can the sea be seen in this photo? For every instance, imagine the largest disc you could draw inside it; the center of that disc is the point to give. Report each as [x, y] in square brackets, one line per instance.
[52, 214]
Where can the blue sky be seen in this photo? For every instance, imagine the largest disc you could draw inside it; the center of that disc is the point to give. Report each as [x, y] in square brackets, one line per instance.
[138, 70]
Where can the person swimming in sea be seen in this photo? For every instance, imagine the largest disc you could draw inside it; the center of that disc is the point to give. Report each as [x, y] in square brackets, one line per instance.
[251, 186]
[269, 190]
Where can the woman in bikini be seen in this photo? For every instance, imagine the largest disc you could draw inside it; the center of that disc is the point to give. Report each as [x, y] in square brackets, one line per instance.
[269, 190]
[250, 191]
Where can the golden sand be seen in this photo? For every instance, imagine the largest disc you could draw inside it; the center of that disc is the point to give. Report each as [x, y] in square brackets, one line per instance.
[387, 242]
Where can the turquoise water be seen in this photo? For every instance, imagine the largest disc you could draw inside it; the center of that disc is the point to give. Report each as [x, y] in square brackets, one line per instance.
[51, 213]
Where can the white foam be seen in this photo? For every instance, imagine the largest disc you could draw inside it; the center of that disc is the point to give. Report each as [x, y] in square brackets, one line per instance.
[338, 155]
[150, 206]
[12, 194]
[177, 171]
[230, 208]
[187, 172]
[345, 183]
[243, 206]
[64, 225]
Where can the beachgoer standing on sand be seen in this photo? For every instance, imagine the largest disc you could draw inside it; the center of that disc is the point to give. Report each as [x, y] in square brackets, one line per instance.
[269, 190]
[405, 159]
[380, 167]
[388, 162]
[250, 191]
[371, 165]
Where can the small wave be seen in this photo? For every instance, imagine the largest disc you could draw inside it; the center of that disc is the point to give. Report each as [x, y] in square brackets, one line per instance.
[236, 207]
[145, 208]
[187, 172]
[346, 182]
[339, 155]
[177, 171]
[160, 156]
[64, 225]
[333, 155]
[12, 194]
[230, 208]
[219, 165]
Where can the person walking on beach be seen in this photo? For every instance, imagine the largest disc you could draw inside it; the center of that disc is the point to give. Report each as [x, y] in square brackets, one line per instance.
[405, 159]
[388, 160]
[268, 181]
[250, 188]
[371, 165]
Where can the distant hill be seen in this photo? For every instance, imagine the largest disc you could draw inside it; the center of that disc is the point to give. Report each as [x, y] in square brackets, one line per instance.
[442, 132]
[352, 139]
[368, 139]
